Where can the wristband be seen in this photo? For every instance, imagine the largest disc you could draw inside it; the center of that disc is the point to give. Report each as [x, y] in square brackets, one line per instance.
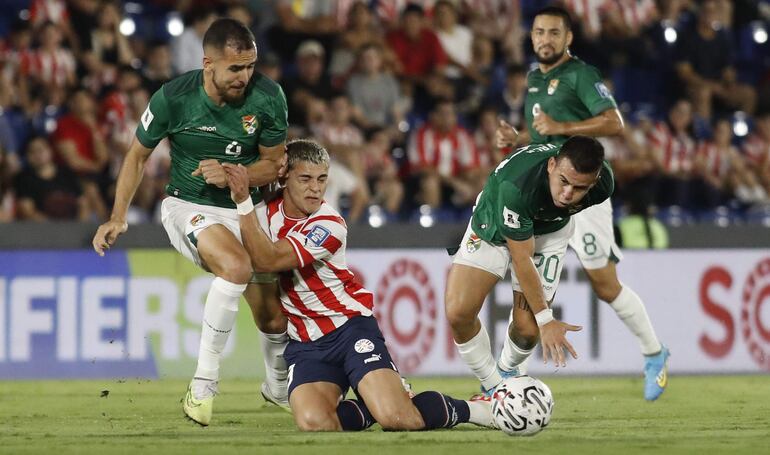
[544, 317]
[245, 207]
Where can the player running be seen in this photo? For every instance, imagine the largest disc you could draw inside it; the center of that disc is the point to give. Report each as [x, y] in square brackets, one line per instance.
[223, 113]
[523, 218]
[335, 341]
[565, 96]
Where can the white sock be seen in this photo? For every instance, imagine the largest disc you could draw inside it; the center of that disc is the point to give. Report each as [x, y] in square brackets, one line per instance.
[512, 356]
[477, 354]
[218, 320]
[630, 310]
[276, 372]
[480, 413]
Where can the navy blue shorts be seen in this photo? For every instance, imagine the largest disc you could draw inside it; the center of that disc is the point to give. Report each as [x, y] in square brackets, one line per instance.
[342, 357]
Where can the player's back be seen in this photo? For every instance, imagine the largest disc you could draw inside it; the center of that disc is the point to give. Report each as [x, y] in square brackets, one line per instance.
[322, 293]
[199, 129]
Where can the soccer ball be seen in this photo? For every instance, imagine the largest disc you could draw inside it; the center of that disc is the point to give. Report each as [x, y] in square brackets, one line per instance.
[522, 406]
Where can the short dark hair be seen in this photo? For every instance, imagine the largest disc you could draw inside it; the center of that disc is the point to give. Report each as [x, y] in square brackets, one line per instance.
[558, 12]
[585, 153]
[226, 32]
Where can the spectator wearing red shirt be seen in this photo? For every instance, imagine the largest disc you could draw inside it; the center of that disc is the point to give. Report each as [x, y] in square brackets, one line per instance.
[417, 48]
[80, 147]
[443, 160]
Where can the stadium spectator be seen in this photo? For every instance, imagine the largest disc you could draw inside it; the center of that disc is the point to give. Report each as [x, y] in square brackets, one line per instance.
[52, 65]
[510, 103]
[107, 49]
[722, 170]
[156, 69]
[310, 86]
[6, 189]
[300, 21]
[46, 191]
[443, 160]
[187, 48]
[345, 142]
[484, 138]
[673, 149]
[361, 30]
[499, 21]
[456, 39]
[16, 59]
[382, 173]
[270, 65]
[417, 48]
[756, 149]
[633, 164]
[375, 93]
[705, 63]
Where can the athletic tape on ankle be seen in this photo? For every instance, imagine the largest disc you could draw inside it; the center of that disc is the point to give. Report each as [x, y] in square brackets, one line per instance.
[245, 207]
[544, 317]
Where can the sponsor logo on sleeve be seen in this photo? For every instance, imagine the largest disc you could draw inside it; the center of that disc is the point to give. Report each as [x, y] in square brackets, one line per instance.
[318, 235]
[511, 218]
[604, 92]
[147, 118]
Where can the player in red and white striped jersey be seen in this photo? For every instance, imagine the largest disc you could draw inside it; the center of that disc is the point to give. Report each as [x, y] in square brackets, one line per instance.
[335, 341]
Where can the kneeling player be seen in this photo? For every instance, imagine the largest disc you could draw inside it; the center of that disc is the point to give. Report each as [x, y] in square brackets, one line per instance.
[335, 341]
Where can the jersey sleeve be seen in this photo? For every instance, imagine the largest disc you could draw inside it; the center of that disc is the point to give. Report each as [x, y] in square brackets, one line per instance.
[514, 221]
[593, 93]
[153, 125]
[276, 122]
[319, 240]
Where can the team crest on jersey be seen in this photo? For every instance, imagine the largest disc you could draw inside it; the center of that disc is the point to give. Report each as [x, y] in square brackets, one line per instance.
[473, 243]
[197, 219]
[552, 86]
[318, 235]
[249, 123]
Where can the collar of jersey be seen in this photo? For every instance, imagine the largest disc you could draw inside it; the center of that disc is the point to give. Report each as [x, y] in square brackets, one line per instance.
[288, 217]
[558, 69]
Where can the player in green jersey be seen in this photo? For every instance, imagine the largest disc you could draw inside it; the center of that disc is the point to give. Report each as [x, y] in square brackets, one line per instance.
[523, 218]
[223, 113]
[565, 96]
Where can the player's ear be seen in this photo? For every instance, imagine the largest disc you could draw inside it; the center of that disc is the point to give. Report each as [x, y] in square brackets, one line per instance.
[551, 164]
[569, 38]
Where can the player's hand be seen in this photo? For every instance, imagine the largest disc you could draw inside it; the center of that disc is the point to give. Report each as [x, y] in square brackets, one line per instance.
[107, 234]
[237, 178]
[546, 126]
[554, 340]
[284, 166]
[505, 135]
[212, 173]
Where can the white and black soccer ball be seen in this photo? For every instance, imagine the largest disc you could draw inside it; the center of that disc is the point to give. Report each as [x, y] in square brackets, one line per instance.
[522, 406]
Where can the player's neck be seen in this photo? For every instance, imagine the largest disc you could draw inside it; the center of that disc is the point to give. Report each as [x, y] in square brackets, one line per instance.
[292, 211]
[211, 91]
[544, 68]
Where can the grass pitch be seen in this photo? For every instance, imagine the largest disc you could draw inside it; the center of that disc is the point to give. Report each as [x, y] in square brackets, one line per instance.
[722, 414]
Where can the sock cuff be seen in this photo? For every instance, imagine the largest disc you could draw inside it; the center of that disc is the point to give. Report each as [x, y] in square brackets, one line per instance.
[227, 288]
[481, 338]
[276, 338]
[626, 298]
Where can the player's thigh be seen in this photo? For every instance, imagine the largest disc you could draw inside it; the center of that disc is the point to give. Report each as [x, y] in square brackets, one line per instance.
[594, 237]
[265, 304]
[388, 402]
[548, 257]
[476, 268]
[314, 406]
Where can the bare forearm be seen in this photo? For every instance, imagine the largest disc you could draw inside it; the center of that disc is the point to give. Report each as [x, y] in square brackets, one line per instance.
[263, 172]
[128, 181]
[529, 280]
[601, 125]
[262, 251]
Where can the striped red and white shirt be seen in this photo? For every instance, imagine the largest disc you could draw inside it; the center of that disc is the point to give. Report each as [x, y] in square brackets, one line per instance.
[52, 68]
[717, 162]
[321, 294]
[449, 153]
[757, 150]
[677, 150]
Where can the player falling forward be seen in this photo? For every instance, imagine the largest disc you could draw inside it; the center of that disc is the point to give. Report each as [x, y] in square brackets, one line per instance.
[335, 341]
[523, 218]
[223, 113]
[565, 96]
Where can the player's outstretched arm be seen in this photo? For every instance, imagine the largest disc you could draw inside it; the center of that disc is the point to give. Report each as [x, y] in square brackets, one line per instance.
[608, 123]
[266, 255]
[128, 180]
[552, 332]
[508, 136]
[266, 170]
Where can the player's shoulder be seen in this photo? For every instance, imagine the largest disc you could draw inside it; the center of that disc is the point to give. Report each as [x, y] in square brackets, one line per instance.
[183, 84]
[327, 215]
[578, 66]
[262, 85]
[534, 70]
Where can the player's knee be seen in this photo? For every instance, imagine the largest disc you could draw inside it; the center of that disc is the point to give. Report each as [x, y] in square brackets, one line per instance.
[459, 315]
[526, 336]
[272, 323]
[313, 420]
[235, 268]
[607, 290]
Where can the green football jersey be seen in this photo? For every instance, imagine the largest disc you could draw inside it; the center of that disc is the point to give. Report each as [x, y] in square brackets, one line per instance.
[516, 202]
[198, 129]
[571, 92]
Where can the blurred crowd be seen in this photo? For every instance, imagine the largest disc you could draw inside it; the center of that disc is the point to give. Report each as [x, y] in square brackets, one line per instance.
[405, 95]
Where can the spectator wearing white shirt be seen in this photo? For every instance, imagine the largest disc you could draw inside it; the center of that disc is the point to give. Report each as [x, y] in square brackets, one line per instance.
[187, 48]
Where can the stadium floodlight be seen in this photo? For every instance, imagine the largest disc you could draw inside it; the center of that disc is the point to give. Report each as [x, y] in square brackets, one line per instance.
[759, 32]
[669, 34]
[24, 14]
[375, 216]
[426, 218]
[740, 126]
[127, 26]
[175, 26]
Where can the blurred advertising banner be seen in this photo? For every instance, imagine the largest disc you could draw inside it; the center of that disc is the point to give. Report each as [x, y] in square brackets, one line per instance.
[137, 313]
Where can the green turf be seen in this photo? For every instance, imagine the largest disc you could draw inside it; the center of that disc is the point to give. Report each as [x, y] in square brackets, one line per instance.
[593, 415]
